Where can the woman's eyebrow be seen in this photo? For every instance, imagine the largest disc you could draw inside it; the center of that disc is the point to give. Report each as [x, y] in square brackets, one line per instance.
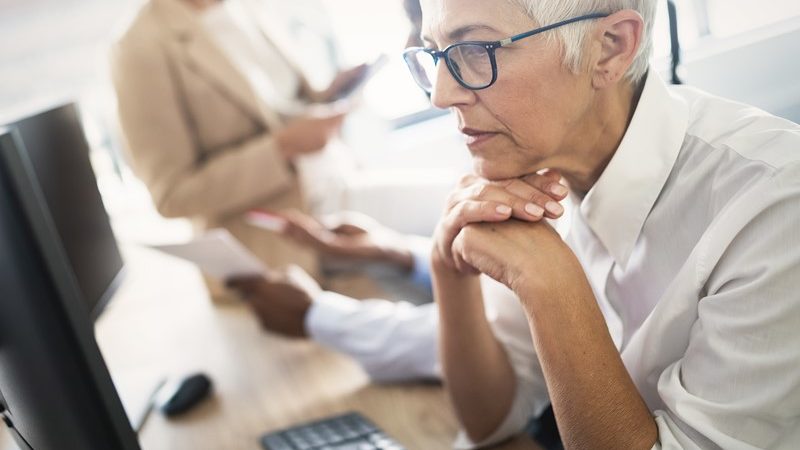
[459, 33]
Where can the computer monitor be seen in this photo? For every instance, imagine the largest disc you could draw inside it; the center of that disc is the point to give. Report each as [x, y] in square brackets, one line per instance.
[58, 152]
[55, 389]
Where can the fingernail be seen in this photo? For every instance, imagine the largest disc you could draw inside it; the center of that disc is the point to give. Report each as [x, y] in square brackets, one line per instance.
[554, 208]
[534, 210]
[559, 190]
[503, 210]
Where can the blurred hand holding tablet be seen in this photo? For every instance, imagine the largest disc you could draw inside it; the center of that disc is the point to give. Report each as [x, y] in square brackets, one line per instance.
[217, 254]
[356, 84]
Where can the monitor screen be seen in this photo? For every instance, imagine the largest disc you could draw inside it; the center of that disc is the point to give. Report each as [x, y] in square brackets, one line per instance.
[55, 389]
[59, 154]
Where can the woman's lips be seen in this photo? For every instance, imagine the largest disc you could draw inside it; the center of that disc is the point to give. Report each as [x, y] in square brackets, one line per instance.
[477, 137]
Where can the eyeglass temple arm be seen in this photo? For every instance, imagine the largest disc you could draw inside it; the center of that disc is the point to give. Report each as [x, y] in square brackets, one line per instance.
[507, 41]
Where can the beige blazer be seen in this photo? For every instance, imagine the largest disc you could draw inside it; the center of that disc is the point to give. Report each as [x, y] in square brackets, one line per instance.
[196, 133]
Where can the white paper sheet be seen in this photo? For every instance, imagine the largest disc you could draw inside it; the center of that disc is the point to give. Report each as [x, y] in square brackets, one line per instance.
[218, 254]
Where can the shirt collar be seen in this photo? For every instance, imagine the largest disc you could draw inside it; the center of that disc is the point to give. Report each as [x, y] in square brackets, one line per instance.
[619, 202]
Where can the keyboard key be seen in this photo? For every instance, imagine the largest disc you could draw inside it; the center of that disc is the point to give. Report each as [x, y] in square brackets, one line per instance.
[275, 442]
[361, 445]
[346, 432]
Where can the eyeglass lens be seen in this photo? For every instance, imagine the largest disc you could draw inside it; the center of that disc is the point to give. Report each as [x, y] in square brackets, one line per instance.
[471, 64]
[468, 63]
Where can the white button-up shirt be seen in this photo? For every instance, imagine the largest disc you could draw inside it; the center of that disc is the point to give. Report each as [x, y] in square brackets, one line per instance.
[691, 242]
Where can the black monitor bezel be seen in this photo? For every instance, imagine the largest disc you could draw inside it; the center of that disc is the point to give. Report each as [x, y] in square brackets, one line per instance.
[108, 293]
[23, 180]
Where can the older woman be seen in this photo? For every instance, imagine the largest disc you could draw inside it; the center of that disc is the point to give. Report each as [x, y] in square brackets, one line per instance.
[667, 317]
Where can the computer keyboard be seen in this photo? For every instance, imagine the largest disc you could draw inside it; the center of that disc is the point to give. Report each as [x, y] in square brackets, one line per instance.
[350, 431]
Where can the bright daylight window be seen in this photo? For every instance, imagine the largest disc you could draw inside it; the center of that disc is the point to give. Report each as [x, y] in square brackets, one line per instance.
[719, 19]
[366, 29]
[730, 17]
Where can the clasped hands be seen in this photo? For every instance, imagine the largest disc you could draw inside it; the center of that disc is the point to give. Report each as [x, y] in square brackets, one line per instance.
[497, 228]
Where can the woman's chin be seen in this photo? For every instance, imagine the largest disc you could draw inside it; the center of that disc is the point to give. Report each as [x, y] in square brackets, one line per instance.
[494, 171]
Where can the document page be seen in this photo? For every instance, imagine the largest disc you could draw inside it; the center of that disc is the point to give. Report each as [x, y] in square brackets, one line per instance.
[218, 254]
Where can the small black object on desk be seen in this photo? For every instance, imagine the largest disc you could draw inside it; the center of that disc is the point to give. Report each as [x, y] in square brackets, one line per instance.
[179, 396]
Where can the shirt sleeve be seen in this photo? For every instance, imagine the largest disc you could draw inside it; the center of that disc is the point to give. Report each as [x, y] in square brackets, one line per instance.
[420, 248]
[510, 326]
[393, 341]
[738, 383]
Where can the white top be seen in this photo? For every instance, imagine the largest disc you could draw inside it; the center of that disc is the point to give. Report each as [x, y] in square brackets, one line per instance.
[251, 51]
[690, 241]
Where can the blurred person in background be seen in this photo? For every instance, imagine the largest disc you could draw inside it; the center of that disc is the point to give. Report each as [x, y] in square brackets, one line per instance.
[215, 117]
[414, 14]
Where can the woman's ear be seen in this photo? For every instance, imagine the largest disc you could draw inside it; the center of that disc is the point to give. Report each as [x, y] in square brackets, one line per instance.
[617, 41]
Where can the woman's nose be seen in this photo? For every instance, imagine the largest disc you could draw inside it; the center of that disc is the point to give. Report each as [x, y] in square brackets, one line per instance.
[446, 92]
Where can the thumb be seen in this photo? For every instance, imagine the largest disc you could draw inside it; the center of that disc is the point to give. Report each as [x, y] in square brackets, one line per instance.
[348, 229]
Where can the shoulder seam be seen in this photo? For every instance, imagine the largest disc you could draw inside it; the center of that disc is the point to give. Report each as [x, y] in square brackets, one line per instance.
[726, 147]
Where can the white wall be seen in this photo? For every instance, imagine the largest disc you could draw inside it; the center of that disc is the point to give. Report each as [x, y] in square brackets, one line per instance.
[761, 68]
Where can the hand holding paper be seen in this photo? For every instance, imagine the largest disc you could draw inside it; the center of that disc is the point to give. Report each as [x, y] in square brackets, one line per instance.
[218, 254]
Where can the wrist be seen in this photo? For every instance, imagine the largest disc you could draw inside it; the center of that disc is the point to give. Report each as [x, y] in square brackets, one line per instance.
[284, 145]
[563, 278]
[396, 256]
[455, 292]
[441, 270]
[295, 320]
[302, 326]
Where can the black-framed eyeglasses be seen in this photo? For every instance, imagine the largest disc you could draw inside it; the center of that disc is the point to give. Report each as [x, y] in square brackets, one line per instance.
[472, 63]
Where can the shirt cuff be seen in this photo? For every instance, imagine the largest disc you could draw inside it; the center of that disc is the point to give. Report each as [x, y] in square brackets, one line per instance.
[391, 341]
[421, 254]
[326, 312]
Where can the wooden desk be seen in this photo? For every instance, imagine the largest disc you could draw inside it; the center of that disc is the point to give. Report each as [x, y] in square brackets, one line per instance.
[162, 323]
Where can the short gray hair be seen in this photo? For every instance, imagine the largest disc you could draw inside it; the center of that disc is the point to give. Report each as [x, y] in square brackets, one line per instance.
[546, 12]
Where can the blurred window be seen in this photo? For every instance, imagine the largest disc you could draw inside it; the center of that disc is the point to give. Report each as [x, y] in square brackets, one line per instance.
[54, 48]
[731, 17]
